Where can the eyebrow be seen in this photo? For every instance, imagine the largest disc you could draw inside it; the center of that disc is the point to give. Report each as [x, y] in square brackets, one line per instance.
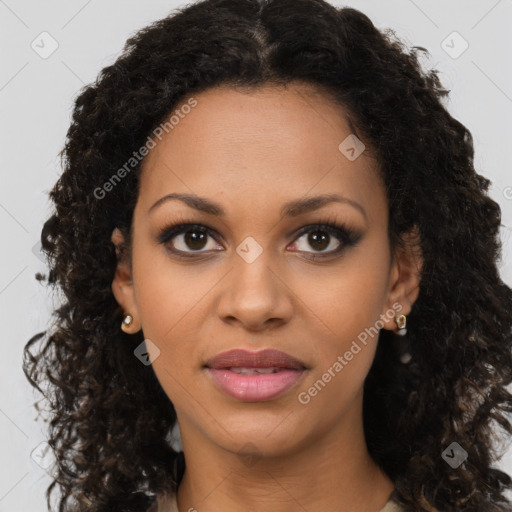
[290, 209]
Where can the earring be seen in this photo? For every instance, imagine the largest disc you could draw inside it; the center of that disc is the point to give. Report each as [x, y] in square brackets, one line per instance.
[401, 322]
[127, 321]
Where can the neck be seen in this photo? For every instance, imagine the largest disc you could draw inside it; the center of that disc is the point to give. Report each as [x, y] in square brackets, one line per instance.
[334, 471]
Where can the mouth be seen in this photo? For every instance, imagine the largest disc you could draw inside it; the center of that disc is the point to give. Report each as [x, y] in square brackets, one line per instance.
[254, 376]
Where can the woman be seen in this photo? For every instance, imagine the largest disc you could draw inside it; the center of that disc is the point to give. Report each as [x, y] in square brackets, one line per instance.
[270, 233]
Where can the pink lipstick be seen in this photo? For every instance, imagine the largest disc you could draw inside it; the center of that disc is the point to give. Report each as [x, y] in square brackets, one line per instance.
[254, 376]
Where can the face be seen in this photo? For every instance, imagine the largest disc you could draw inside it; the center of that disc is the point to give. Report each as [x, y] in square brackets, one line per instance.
[288, 251]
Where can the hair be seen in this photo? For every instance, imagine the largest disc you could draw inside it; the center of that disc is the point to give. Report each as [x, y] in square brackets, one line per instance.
[111, 422]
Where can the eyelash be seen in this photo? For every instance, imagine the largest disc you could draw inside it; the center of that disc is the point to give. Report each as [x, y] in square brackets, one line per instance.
[345, 234]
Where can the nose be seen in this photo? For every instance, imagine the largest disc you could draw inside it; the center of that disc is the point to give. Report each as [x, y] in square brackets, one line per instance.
[255, 295]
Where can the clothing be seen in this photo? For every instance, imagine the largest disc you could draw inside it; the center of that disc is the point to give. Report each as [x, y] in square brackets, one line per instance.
[167, 503]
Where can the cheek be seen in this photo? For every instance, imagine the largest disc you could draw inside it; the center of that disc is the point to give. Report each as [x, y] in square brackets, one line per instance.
[349, 300]
[345, 313]
[171, 301]
[344, 350]
[168, 305]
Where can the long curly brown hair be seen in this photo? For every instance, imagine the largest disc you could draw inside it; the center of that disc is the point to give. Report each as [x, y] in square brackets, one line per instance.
[111, 422]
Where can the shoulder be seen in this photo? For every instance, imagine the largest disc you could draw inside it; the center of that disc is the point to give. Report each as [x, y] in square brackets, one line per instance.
[396, 504]
[393, 504]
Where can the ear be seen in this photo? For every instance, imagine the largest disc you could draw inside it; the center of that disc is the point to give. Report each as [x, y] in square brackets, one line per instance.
[122, 285]
[405, 277]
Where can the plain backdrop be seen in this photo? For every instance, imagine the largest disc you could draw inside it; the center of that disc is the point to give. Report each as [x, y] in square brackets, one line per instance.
[469, 41]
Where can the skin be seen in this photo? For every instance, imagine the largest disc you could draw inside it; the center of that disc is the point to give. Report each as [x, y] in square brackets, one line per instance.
[251, 152]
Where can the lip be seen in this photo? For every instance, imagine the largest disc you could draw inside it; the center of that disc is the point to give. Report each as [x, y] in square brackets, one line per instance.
[262, 359]
[255, 387]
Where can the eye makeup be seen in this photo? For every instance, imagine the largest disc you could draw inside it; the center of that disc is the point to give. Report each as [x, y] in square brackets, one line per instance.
[346, 235]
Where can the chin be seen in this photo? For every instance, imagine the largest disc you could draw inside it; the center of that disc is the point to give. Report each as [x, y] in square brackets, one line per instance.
[264, 433]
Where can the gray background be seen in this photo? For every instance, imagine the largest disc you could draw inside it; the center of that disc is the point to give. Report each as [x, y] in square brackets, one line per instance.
[36, 96]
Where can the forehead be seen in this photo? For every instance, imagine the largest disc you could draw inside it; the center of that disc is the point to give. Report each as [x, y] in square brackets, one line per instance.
[245, 143]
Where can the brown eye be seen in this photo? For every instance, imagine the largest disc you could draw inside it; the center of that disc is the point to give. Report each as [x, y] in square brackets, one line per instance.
[326, 240]
[195, 239]
[319, 239]
[188, 239]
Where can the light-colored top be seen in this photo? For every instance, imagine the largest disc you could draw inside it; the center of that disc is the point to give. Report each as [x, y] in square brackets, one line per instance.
[167, 503]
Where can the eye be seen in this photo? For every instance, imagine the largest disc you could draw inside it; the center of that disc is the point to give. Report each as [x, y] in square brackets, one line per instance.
[187, 239]
[325, 240]
[320, 239]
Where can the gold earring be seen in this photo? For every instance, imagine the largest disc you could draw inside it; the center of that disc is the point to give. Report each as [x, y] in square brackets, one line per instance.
[401, 322]
[125, 324]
